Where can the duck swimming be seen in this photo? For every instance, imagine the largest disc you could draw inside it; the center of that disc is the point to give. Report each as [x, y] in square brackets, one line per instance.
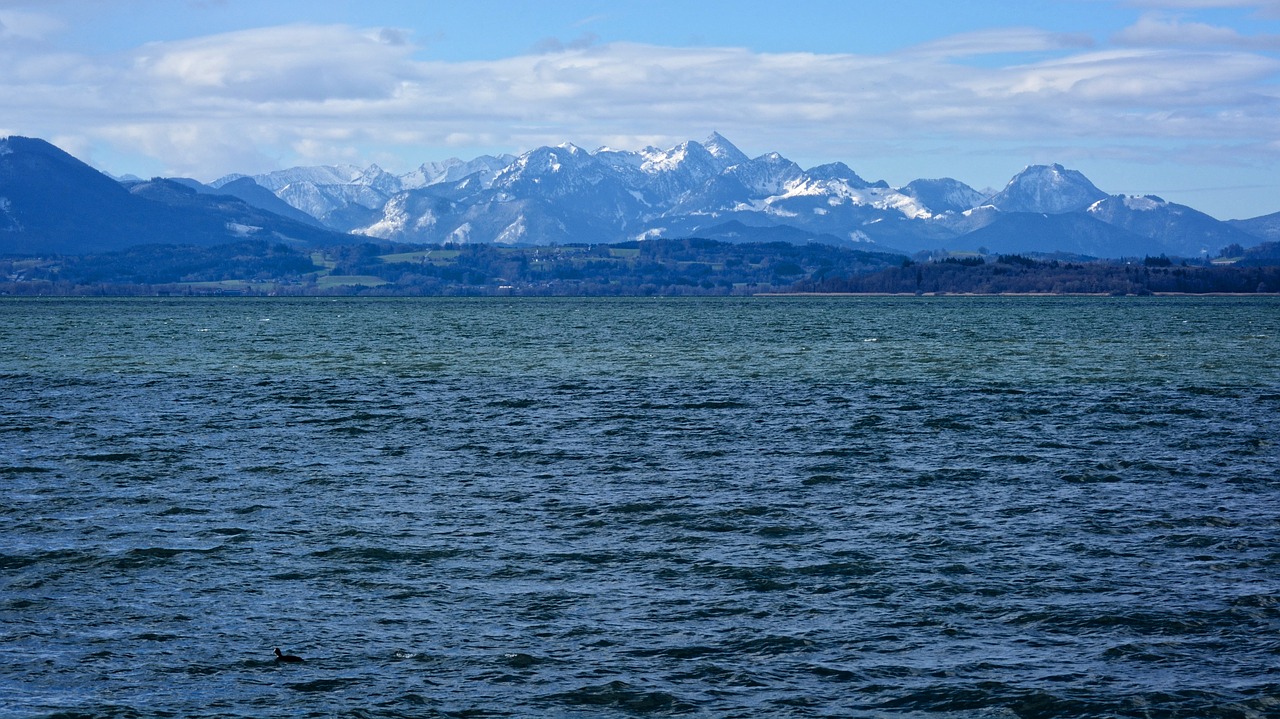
[286, 657]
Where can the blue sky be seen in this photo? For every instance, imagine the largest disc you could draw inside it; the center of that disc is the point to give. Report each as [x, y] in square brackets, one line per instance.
[1173, 97]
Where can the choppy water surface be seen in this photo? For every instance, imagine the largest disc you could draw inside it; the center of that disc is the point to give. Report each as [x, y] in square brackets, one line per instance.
[853, 507]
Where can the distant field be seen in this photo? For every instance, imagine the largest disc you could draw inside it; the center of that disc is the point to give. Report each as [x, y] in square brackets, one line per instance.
[349, 281]
[225, 285]
[433, 256]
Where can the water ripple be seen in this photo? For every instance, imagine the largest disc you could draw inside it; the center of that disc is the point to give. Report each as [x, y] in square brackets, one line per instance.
[720, 508]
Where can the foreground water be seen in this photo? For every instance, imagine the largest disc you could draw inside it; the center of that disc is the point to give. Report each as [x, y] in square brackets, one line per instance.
[899, 507]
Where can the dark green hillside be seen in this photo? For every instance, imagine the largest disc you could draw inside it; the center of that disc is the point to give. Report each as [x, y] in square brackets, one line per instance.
[53, 203]
[651, 267]
[664, 266]
[1035, 232]
[1017, 274]
[1266, 227]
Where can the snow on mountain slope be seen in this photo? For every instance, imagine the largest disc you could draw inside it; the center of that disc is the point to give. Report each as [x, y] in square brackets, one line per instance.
[485, 167]
[409, 214]
[838, 171]
[626, 194]
[766, 176]
[317, 175]
[723, 150]
[1051, 189]
[943, 195]
[834, 193]
[567, 194]
[322, 201]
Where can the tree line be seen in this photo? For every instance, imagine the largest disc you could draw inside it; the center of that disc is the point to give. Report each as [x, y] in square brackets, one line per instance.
[1017, 274]
[650, 267]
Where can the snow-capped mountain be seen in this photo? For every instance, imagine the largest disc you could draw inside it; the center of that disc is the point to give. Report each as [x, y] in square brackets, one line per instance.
[943, 195]
[484, 168]
[666, 176]
[1050, 189]
[345, 197]
[723, 150]
[840, 172]
[553, 194]
[567, 194]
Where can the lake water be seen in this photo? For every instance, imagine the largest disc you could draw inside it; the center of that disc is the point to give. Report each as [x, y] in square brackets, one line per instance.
[752, 507]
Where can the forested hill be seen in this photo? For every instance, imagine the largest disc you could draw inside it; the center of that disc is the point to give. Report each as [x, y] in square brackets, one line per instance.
[651, 267]
[1015, 274]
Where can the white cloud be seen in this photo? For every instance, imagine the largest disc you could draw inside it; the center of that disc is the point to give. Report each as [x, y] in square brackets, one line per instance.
[553, 44]
[1265, 8]
[250, 100]
[15, 24]
[1159, 30]
[270, 65]
[1001, 40]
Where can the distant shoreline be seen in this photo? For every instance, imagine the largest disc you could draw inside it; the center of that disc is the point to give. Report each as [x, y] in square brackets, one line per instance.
[1012, 294]
[763, 295]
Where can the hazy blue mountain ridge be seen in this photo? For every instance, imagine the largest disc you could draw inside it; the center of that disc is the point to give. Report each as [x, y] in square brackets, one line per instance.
[1267, 226]
[251, 193]
[1038, 232]
[52, 203]
[1184, 231]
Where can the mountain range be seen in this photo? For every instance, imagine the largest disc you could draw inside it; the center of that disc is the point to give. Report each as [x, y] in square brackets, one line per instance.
[51, 202]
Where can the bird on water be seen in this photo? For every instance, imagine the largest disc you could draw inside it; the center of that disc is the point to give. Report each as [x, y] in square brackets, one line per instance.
[286, 657]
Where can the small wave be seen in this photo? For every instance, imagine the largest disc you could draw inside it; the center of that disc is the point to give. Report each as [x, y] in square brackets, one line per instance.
[51, 557]
[1018, 458]
[621, 695]
[1151, 623]
[948, 423]
[988, 696]
[1227, 392]
[24, 469]
[520, 660]
[380, 554]
[834, 675]
[861, 568]
[694, 651]
[181, 511]
[779, 531]
[153, 556]
[324, 685]
[947, 474]
[112, 457]
[157, 637]
[773, 645]
[715, 404]
[1091, 478]
[522, 403]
